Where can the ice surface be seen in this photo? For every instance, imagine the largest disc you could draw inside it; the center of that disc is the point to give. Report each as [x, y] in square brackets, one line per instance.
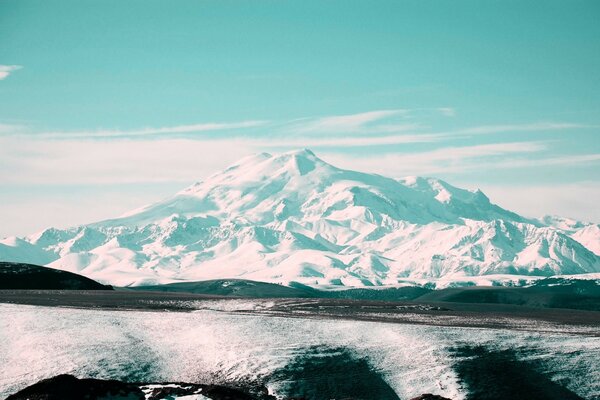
[221, 346]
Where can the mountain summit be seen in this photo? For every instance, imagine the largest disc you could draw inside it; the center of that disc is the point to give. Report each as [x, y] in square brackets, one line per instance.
[295, 218]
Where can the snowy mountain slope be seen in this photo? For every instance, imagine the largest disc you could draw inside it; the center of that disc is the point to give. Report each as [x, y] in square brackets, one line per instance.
[568, 225]
[589, 236]
[19, 250]
[586, 233]
[293, 217]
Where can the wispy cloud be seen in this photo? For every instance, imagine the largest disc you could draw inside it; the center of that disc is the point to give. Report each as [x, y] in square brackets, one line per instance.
[453, 160]
[350, 123]
[49, 161]
[451, 154]
[381, 123]
[577, 200]
[103, 162]
[372, 128]
[530, 127]
[171, 153]
[445, 160]
[548, 161]
[85, 162]
[6, 70]
[342, 142]
[322, 132]
[162, 131]
[10, 128]
[447, 111]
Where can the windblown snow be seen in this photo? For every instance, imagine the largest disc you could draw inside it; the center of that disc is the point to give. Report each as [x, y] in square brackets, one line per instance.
[295, 218]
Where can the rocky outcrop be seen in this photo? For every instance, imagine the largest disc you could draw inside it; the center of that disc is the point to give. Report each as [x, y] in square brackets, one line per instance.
[429, 396]
[68, 387]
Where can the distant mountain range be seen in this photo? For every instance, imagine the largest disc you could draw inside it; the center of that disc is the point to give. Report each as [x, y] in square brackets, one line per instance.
[295, 218]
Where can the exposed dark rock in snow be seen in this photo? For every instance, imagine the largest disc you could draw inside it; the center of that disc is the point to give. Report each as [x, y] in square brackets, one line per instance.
[429, 396]
[68, 387]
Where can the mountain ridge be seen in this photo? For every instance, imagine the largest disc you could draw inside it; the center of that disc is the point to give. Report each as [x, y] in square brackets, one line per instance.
[295, 218]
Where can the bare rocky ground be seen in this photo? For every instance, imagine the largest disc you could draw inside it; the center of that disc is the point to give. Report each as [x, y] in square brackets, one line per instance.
[435, 313]
[68, 387]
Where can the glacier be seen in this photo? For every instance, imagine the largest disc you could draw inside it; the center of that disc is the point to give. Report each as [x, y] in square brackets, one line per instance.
[294, 218]
[227, 347]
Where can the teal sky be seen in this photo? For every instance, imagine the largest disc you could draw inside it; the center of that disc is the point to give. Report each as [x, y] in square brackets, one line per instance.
[107, 105]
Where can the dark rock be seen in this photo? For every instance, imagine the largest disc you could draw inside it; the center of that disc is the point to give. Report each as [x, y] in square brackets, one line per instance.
[429, 396]
[68, 387]
[213, 392]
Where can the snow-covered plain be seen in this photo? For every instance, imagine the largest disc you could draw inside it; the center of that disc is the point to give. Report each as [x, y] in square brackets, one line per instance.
[295, 218]
[219, 346]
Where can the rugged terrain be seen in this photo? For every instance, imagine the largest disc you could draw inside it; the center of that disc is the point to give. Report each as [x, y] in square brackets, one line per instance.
[293, 218]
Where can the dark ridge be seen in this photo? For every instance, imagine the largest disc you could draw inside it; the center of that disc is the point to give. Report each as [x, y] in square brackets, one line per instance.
[255, 289]
[494, 375]
[29, 276]
[68, 387]
[389, 294]
[325, 373]
[232, 287]
[547, 293]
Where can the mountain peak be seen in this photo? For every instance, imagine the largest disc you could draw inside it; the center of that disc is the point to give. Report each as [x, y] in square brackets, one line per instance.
[302, 161]
[250, 160]
[293, 217]
[443, 191]
[306, 153]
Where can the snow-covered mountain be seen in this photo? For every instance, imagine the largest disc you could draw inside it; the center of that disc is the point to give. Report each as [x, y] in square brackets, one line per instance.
[586, 233]
[296, 218]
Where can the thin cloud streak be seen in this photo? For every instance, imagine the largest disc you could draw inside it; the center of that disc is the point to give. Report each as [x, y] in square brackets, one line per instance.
[574, 200]
[461, 159]
[6, 70]
[543, 162]
[10, 129]
[447, 111]
[122, 161]
[344, 142]
[532, 127]
[372, 128]
[178, 129]
[48, 162]
[51, 162]
[346, 123]
[175, 153]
